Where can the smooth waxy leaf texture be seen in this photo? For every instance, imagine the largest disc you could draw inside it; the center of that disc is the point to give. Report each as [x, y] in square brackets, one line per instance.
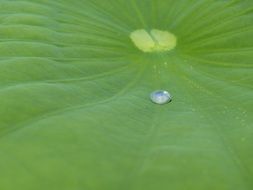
[75, 111]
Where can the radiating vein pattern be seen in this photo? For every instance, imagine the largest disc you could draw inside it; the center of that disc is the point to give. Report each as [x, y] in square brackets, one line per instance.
[75, 111]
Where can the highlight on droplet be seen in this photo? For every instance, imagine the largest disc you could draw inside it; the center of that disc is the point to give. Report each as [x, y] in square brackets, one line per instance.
[160, 97]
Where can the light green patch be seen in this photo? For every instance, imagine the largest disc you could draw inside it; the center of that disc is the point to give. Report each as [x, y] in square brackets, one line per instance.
[153, 41]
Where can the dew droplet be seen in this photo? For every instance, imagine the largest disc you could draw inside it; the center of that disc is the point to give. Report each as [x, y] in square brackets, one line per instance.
[160, 97]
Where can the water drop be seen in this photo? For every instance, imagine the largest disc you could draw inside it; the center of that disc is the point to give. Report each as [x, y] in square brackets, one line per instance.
[160, 97]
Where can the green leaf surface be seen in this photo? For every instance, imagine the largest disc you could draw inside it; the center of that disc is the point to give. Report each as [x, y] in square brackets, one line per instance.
[75, 112]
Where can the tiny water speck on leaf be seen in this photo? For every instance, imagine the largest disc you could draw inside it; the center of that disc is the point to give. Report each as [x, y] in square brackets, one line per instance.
[160, 97]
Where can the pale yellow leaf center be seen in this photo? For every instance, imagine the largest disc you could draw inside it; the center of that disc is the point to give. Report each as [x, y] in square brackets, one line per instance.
[154, 40]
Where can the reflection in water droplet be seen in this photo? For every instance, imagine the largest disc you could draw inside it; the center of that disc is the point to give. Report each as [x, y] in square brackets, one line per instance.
[160, 97]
